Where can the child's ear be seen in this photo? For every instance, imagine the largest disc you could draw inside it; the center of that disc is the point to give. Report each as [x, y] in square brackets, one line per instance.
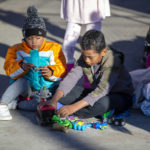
[103, 52]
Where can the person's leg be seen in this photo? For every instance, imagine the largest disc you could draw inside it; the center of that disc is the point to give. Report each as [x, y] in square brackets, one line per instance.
[94, 26]
[31, 105]
[19, 87]
[119, 102]
[70, 39]
[75, 94]
[14, 90]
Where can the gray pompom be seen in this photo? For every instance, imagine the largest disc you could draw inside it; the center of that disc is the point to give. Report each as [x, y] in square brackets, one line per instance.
[32, 11]
[33, 21]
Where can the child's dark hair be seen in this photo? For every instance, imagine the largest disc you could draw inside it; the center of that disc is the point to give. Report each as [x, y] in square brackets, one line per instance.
[93, 39]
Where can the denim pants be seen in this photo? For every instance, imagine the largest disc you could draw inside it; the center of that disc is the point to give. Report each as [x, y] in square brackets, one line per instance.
[19, 87]
[22, 87]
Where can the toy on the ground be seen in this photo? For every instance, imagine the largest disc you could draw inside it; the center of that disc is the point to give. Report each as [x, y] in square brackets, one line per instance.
[72, 118]
[44, 114]
[61, 124]
[118, 120]
[99, 125]
[80, 125]
[107, 115]
[73, 122]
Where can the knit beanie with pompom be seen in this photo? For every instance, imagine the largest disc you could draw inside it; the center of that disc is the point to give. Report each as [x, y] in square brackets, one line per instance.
[34, 25]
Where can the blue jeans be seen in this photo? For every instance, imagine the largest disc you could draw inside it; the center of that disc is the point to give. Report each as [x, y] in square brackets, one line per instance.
[18, 87]
[22, 87]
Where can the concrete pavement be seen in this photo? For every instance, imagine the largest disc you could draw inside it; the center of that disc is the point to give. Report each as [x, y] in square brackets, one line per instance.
[125, 30]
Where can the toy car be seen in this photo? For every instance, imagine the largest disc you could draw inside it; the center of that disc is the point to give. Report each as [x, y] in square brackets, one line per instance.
[118, 120]
[44, 114]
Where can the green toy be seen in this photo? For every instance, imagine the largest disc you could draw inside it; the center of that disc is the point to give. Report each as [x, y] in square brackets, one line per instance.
[61, 124]
[107, 115]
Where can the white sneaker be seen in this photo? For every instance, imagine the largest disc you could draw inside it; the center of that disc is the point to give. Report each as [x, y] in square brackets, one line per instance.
[4, 112]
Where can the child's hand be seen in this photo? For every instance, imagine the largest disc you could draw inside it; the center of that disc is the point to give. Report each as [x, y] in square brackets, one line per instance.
[66, 111]
[45, 71]
[27, 66]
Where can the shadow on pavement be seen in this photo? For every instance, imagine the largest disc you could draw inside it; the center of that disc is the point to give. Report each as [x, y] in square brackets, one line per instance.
[4, 82]
[69, 139]
[3, 50]
[10, 18]
[138, 119]
[54, 30]
[140, 5]
[57, 32]
[131, 50]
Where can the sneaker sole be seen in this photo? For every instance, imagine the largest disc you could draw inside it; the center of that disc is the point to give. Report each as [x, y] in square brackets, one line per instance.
[6, 118]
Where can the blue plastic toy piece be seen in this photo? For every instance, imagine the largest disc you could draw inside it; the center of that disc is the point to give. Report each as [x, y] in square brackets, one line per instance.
[118, 119]
[80, 125]
[99, 125]
[122, 115]
[59, 105]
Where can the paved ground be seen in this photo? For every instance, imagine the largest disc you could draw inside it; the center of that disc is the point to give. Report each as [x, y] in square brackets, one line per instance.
[125, 30]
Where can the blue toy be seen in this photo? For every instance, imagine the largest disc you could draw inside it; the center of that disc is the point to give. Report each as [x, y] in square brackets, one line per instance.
[80, 125]
[108, 115]
[59, 105]
[118, 120]
[99, 125]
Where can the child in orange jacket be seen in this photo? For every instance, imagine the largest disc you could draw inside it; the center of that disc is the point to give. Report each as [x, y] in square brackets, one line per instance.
[33, 63]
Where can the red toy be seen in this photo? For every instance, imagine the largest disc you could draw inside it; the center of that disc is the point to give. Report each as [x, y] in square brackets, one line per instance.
[45, 114]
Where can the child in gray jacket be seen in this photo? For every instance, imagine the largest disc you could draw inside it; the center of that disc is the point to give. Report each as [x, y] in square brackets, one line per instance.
[111, 86]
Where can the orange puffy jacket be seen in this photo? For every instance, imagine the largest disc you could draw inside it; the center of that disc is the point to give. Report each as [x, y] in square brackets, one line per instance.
[18, 52]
